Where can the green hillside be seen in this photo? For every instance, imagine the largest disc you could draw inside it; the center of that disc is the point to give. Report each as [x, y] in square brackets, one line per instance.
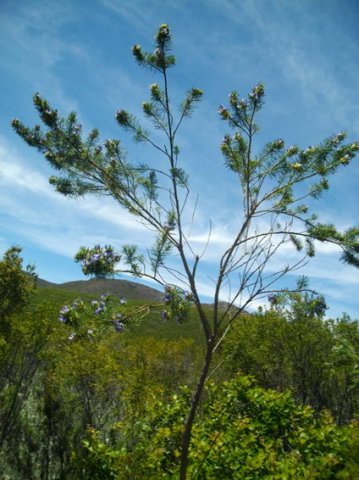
[134, 293]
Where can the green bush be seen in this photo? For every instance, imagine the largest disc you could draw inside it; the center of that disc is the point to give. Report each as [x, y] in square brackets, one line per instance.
[244, 432]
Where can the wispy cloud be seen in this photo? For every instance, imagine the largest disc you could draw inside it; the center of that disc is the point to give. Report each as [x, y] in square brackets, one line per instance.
[291, 40]
[145, 22]
[55, 221]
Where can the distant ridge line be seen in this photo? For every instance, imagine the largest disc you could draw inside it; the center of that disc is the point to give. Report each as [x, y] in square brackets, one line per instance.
[124, 288]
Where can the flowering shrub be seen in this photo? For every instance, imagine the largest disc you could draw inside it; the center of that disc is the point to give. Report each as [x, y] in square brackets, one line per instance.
[177, 302]
[92, 318]
[98, 261]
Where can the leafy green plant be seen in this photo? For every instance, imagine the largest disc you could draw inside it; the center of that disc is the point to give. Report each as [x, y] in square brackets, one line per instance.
[244, 432]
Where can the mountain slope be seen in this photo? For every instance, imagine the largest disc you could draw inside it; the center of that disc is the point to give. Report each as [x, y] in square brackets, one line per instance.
[125, 288]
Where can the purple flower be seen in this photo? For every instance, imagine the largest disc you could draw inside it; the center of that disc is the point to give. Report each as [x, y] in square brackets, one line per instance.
[119, 326]
[64, 309]
[100, 308]
[167, 298]
[164, 314]
[96, 257]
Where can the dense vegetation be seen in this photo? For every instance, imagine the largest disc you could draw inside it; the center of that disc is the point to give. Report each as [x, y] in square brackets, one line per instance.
[101, 402]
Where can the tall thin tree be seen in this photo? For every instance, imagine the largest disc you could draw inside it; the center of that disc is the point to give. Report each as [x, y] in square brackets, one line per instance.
[273, 188]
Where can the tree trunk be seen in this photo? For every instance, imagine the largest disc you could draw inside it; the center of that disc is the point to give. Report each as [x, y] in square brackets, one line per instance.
[186, 437]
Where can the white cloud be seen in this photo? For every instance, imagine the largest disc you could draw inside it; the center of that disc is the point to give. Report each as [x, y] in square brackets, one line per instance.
[35, 211]
[291, 40]
[143, 23]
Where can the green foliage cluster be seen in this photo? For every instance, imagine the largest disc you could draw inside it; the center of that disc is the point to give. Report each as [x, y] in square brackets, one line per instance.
[244, 432]
[296, 349]
[16, 286]
[112, 405]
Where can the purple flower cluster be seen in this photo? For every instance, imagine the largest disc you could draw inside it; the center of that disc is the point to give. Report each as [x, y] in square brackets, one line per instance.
[68, 314]
[79, 313]
[178, 301]
[119, 326]
[172, 293]
[169, 290]
[98, 261]
[118, 323]
[64, 314]
[100, 307]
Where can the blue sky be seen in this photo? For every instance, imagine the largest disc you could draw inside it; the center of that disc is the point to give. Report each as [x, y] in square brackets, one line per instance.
[78, 55]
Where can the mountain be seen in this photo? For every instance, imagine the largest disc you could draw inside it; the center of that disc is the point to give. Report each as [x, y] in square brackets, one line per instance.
[121, 288]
